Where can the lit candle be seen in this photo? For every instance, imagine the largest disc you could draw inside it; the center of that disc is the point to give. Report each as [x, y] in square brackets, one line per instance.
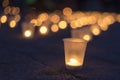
[27, 33]
[83, 33]
[74, 52]
[27, 30]
[73, 62]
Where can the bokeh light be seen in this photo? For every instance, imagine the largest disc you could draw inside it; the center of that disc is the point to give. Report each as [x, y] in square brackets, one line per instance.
[67, 11]
[74, 24]
[95, 30]
[43, 17]
[3, 19]
[27, 33]
[118, 18]
[43, 30]
[109, 19]
[54, 18]
[82, 21]
[7, 10]
[5, 3]
[12, 24]
[96, 14]
[87, 37]
[39, 22]
[54, 28]
[98, 21]
[34, 22]
[15, 10]
[92, 20]
[62, 24]
[103, 26]
[17, 18]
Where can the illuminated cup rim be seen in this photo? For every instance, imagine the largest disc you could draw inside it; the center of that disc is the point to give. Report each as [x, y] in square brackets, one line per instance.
[76, 40]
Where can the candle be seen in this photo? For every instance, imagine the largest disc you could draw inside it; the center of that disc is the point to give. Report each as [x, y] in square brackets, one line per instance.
[27, 33]
[83, 33]
[73, 62]
[74, 52]
[27, 30]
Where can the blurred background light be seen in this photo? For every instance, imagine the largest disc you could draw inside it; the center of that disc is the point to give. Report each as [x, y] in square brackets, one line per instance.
[54, 28]
[3, 19]
[95, 30]
[27, 33]
[43, 30]
[5, 3]
[62, 24]
[67, 11]
[87, 37]
[12, 24]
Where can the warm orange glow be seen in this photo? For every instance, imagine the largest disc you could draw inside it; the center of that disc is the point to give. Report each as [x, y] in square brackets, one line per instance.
[39, 22]
[27, 33]
[17, 18]
[3, 19]
[96, 14]
[5, 3]
[74, 24]
[103, 26]
[82, 21]
[87, 37]
[12, 23]
[43, 30]
[80, 14]
[7, 10]
[70, 18]
[109, 19]
[54, 18]
[95, 30]
[43, 16]
[54, 28]
[62, 24]
[15, 10]
[67, 11]
[100, 21]
[118, 17]
[105, 14]
[34, 22]
[92, 20]
[73, 62]
[74, 52]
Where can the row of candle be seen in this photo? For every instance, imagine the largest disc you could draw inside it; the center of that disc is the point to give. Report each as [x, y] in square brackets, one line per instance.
[77, 20]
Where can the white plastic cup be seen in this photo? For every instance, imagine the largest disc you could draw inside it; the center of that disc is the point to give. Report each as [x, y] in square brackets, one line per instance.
[74, 52]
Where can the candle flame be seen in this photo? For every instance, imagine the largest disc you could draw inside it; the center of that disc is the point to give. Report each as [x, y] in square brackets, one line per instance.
[43, 30]
[73, 61]
[27, 33]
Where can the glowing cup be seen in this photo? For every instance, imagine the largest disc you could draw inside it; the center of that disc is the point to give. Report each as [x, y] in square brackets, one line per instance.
[74, 52]
[83, 33]
[28, 30]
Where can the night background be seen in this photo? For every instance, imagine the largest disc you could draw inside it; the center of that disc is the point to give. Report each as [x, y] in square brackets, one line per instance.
[42, 57]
